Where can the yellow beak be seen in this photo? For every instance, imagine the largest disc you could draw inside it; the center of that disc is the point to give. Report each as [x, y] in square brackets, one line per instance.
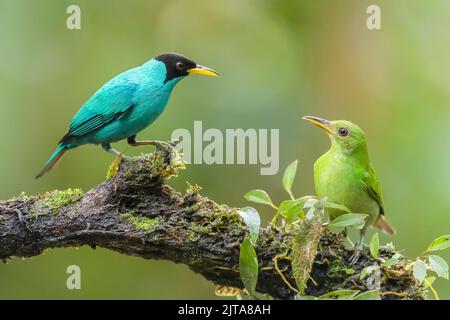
[322, 123]
[204, 71]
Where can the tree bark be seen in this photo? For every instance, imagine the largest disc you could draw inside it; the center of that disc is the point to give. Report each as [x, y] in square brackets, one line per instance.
[135, 212]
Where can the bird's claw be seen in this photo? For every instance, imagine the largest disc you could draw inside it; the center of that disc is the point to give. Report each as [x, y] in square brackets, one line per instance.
[169, 147]
[357, 254]
[174, 143]
[166, 146]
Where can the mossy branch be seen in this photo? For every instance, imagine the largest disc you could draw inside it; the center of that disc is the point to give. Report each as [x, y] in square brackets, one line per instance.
[135, 212]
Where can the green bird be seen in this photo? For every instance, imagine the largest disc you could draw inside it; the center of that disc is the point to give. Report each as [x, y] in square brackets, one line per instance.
[345, 176]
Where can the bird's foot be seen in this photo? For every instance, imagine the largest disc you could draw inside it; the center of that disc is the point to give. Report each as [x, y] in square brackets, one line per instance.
[169, 147]
[358, 248]
[174, 143]
[357, 253]
[166, 146]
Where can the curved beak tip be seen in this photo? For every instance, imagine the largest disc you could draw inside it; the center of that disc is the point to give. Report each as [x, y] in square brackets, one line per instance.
[204, 71]
[321, 123]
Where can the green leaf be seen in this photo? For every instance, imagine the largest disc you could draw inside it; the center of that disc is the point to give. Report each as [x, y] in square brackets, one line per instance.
[369, 295]
[440, 243]
[252, 220]
[310, 202]
[248, 265]
[392, 260]
[374, 245]
[321, 204]
[339, 294]
[355, 220]
[439, 266]
[314, 207]
[419, 270]
[300, 297]
[310, 214]
[288, 177]
[262, 296]
[258, 196]
[331, 205]
[292, 209]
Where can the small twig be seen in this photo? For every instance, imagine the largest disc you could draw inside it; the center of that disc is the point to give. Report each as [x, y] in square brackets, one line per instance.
[393, 293]
[275, 261]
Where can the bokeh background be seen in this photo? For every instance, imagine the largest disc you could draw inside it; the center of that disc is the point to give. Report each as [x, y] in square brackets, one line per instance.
[280, 60]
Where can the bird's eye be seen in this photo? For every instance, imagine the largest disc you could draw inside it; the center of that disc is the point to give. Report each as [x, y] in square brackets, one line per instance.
[180, 65]
[343, 132]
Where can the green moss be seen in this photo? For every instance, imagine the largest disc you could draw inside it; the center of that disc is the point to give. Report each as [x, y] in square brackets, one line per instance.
[148, 168]
[193, 236]
[128, 174]
[193, 189]
[337, 268]
[198, 228]
[52, 201]
[160, 167]
[349, 271]
[140, 222]
[227, 219]
[304, 250]
[114, 168]
[22, 197]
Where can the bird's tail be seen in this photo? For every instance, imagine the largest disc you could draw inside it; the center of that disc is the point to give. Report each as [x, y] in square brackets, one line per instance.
[384, 225]
[59, 152]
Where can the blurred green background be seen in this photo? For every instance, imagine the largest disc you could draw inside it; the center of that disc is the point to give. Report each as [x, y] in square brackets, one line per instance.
[280, 60]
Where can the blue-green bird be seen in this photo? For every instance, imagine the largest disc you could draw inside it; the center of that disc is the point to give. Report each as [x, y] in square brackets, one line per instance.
[345, 176]
[126, 105]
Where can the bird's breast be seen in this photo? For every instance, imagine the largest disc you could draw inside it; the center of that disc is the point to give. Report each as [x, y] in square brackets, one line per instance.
[340, 180]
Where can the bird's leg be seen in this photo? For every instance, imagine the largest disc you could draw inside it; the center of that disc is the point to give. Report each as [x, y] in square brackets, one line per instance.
[160, 145]
[359, 248]
[168, 147]
[107, 147]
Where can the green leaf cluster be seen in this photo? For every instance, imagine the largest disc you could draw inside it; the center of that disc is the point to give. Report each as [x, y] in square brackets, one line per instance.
[431, 262]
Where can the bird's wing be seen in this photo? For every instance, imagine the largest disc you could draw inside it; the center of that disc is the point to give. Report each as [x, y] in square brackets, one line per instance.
[373, 187]
[111, 102]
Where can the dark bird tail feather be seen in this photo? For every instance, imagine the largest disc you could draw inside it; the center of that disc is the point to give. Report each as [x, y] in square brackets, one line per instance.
[59, 152]
[384, 225]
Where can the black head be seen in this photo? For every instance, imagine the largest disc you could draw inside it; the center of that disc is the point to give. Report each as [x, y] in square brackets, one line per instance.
[178, 66]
